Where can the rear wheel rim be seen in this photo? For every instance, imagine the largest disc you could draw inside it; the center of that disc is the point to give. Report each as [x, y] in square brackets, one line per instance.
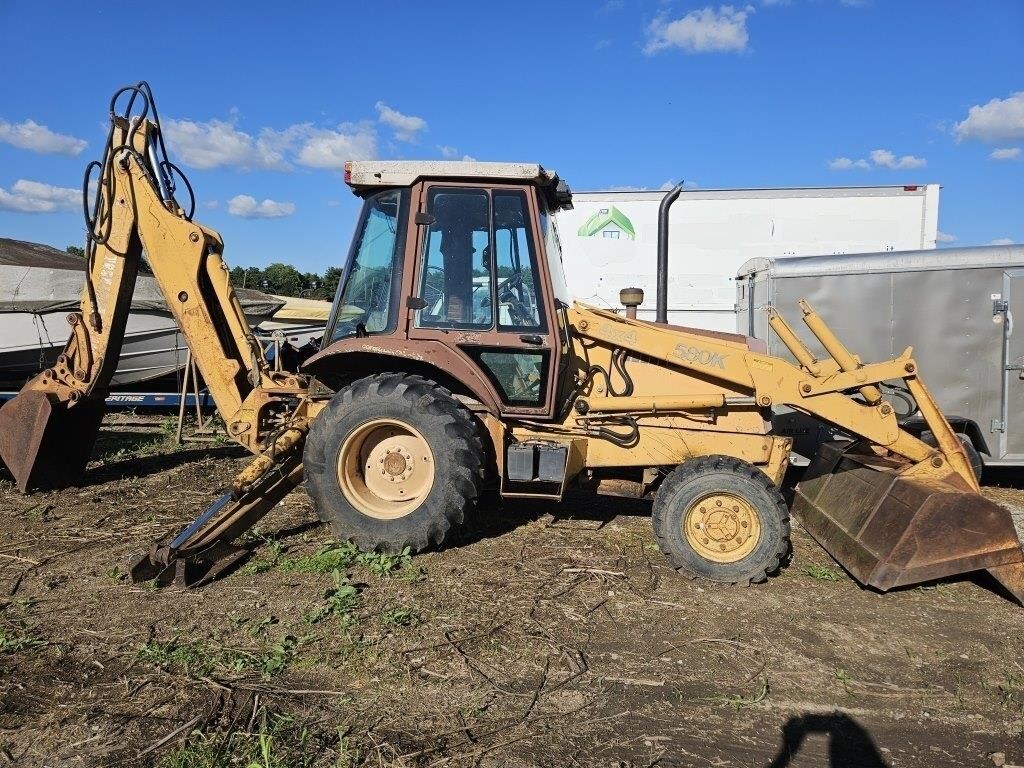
[722, 527]
[385, 469]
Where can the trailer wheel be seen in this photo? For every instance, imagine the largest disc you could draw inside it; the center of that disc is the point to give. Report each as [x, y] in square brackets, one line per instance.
[977, 463]
[393, 461]
[722, 519]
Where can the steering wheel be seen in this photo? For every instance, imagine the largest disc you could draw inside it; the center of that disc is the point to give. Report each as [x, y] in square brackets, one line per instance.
[518, 309]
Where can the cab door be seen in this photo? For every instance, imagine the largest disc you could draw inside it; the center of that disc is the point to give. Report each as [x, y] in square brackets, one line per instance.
[482, 290]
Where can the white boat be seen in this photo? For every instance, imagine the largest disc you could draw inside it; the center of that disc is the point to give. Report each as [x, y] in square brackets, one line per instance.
[298, 321]
[40, 286]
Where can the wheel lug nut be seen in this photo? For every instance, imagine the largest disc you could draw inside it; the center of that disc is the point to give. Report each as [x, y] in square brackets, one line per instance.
[718, 503]
[743, 524]
[735, 509]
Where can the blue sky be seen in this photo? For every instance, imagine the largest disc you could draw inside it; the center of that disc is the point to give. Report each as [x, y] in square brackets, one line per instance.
[263, 101]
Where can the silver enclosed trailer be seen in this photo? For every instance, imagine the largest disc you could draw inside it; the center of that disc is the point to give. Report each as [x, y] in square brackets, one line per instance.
[956, 308]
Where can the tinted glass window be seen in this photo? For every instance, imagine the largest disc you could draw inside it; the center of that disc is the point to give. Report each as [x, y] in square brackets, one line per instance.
[553, 249]
[520, 377]
[456, 274]
[518, 285]
[366, 299]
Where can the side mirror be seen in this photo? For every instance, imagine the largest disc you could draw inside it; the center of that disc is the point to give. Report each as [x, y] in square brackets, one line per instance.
[424, 219]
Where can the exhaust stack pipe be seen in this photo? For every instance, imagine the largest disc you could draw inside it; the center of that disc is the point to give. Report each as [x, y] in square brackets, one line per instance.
[661, 314]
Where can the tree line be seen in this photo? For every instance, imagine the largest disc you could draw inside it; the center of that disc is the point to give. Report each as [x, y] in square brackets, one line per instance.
[285, 280]
[278, 279]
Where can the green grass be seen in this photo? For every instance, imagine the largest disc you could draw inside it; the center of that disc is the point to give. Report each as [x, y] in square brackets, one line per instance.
[843, 678]
[400, 617]
[202, 659]
[338, 557]
[738, 702]
[329, 558]
[1012, 693]
[822, 573]
[340, 602]
[15, 641]
[278, 741]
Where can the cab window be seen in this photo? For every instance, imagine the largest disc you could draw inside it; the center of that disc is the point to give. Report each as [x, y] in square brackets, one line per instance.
[455, 279]
[517, 284]
[366, 298]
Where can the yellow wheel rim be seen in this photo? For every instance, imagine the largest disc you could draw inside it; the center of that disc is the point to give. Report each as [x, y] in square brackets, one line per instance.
[722, 527]
[385, 469]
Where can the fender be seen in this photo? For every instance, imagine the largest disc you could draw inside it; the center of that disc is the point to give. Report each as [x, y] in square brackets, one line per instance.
[355, 357]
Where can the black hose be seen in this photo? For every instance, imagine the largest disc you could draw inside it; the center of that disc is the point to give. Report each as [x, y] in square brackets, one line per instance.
[99, 218]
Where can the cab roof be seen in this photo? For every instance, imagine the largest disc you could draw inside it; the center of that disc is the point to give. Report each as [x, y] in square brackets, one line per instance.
[364, 176]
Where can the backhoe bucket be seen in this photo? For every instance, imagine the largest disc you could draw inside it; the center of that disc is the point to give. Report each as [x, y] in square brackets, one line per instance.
[46, 444]
[890, 530]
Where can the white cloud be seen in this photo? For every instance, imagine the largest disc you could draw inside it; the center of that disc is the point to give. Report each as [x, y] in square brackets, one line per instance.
[1006, 153]
[846, 164]
[447, 151]
[468, 159]
[702, 31]
[406, 127]
[886, 159]
[247, 207]
[998, 120]
[38, 138]
[881, 158]
[217, 143]
[36, 197]
[945, 237]
[1001, 241]
[323, 148]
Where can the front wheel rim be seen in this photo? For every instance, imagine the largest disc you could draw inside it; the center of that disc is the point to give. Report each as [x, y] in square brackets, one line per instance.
[722, 527]
[385, 469]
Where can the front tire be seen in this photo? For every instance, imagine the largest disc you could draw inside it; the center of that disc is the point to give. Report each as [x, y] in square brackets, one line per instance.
[720, 518]
[393, 461]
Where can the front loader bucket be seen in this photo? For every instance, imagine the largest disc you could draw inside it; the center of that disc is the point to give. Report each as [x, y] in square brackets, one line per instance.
[890, 530]
[43, 442]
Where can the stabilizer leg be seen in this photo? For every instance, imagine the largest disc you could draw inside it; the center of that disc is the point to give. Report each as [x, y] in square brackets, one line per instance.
[204, 549]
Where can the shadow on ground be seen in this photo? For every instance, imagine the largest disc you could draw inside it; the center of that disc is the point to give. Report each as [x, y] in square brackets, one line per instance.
[496, 517]
[849, 744]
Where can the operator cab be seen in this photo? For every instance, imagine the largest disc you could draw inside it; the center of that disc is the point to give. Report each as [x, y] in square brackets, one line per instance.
[463, 255]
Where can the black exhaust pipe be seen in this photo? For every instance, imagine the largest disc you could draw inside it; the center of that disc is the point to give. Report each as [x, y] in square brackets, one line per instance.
[661, 311]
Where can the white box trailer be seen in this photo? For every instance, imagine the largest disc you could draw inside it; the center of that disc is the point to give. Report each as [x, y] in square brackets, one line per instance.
[956, 306]
[609, 239]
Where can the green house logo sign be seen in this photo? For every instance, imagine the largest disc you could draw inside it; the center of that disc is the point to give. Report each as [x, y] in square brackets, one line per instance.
[609, 223]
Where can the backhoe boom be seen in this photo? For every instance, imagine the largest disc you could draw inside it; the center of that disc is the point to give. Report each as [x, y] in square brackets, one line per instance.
[48, 430]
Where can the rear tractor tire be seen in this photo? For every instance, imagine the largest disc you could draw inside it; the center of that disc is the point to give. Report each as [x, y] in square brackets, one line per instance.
[393, 461]
[720, 518]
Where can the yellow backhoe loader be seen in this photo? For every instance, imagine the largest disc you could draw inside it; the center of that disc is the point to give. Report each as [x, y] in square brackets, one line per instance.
[455, 358]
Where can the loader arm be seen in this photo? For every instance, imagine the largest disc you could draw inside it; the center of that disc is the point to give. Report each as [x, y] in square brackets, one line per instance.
[773, 381]
[48, 430]
[890, 508]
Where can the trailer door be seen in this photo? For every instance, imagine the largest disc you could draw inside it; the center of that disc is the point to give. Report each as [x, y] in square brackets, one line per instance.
[1012, 310]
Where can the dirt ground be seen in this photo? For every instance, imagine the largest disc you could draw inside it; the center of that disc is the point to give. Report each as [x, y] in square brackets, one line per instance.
[542, 635]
